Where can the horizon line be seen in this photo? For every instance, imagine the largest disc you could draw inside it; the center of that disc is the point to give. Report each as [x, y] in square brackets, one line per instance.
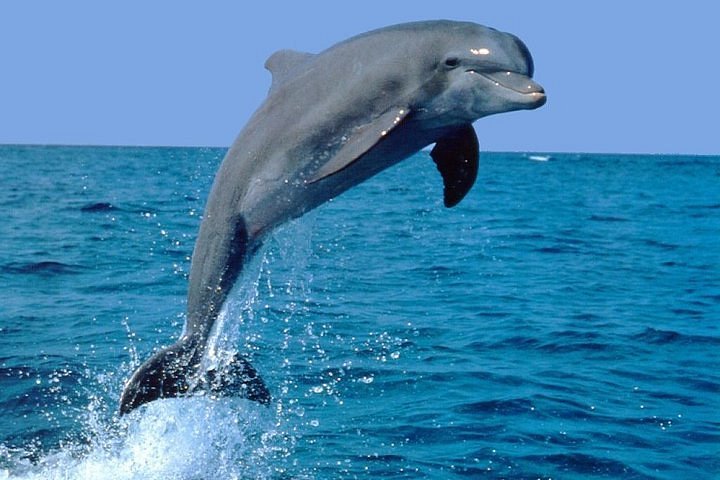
[538, 152]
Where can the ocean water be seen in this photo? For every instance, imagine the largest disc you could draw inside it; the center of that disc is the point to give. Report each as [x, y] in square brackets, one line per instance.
[562, 322]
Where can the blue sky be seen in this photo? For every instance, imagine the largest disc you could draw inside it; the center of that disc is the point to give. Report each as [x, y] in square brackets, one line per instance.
[621, 76]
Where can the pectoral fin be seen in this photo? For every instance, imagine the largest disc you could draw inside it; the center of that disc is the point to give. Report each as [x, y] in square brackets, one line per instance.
[360, 140]
[456, 156]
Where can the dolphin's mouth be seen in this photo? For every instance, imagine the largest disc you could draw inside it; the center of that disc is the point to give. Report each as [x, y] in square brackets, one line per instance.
[516, 82]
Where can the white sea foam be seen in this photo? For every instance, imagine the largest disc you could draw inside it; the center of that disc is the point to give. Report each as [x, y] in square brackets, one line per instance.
[189, 438]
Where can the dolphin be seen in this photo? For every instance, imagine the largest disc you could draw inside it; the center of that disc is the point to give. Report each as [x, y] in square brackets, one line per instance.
[331, 121]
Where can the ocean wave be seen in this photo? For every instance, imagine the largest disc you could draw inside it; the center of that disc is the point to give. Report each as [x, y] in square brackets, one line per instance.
[511, 406]
[586, 464]
[43, 268]
[607, 218]
[664, 337]
[98, 207]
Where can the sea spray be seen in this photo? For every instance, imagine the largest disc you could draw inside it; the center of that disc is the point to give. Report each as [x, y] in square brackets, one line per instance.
[181, 438]
[206, 435]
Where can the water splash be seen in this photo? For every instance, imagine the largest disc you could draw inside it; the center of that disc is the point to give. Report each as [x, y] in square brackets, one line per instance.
[188, 438]
[203, 436]
[234, 330]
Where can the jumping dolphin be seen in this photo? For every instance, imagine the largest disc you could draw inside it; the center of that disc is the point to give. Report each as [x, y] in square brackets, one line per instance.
[331, 121]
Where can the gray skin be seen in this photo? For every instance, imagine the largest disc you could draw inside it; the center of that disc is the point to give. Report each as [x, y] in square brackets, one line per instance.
[331, 121]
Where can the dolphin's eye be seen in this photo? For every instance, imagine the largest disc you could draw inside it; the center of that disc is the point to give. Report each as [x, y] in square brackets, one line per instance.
[452, 62]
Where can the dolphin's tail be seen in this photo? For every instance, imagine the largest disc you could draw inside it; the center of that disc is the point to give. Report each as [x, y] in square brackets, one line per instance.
[173, 372]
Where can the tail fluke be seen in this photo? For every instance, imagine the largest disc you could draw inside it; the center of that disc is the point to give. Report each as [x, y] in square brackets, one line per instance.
[173, 372]
[163, 375]
[237, 379]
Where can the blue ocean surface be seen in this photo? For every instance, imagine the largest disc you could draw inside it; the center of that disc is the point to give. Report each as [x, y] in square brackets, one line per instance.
[562, 322]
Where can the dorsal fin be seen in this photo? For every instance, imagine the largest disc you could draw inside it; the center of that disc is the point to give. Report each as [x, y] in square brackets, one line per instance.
[283, 63]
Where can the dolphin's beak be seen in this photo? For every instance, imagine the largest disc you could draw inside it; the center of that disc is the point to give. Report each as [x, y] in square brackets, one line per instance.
[519, 83]
[514, 81]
